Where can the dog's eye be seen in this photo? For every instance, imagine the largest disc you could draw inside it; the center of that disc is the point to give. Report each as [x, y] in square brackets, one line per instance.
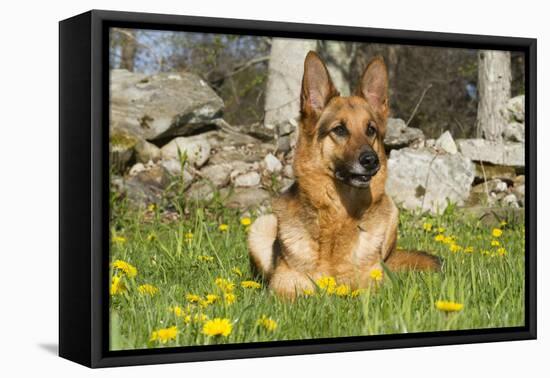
[340, 130]
[371, 130]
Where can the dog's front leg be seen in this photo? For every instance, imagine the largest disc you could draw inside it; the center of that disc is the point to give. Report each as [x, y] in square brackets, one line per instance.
[289, 283]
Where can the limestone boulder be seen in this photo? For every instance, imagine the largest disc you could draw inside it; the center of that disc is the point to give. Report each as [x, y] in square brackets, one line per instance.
[422, 179]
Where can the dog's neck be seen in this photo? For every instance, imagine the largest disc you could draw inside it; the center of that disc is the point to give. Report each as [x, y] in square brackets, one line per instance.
[333, 199]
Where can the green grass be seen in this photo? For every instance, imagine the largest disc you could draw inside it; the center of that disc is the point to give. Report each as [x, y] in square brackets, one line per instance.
[490, 286]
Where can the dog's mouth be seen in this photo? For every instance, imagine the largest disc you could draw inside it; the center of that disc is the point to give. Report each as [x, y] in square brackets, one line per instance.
[358, 180]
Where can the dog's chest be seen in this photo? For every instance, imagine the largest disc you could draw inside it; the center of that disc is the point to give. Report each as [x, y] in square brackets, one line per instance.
[368, 245]
[331, 244]
[353, 248]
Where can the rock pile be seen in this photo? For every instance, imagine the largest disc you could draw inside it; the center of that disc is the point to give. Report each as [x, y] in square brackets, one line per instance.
[168, 137]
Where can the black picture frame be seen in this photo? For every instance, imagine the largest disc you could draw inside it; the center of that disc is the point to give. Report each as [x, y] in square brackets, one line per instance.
[84, 188]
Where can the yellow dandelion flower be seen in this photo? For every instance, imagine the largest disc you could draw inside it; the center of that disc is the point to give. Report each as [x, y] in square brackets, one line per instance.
[427, 227]
[439, 237]
[495, 243]
[308, 292]
[330, 290]
[151, 207]
[356, 293]
[229, 298]
[225, 285]
[469, 249]
[164, 334]
[246, 221]
[147, 289]
[187, 319]
[267, 323]
[128, 269]
[503, 223]
[484, 252]
[193, 298]
[447, 306]
[116, 239]
[342, 290]
[151, 237]
[327, 283]
[501, 251]
[200, 318]
[497, 232]
[250, 285]
[117, 285]
[441, 230]
[376, 274]
[217, 327]
[177, 310]
[204, 258]
[237, 271]
[455, 248]
[223, 227]
[188, 237]
[211, 298]
[448, 239]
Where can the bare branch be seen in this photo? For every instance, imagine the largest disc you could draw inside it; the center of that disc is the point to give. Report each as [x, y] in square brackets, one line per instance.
[418, 103]
[243, 66]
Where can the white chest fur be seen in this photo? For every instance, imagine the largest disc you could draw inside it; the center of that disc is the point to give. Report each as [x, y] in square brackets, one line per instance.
[369, 245]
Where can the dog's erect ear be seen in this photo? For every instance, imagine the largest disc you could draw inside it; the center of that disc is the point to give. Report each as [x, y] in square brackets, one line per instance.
[317, 87]
[374, 86]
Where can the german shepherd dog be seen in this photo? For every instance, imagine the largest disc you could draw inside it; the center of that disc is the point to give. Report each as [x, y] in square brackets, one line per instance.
[336, 219]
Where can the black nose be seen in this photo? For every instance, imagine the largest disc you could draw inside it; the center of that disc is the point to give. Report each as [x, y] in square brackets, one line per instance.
[369, 160]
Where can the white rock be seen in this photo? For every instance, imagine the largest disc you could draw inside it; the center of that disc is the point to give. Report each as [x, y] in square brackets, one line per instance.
[519, 191]
[515, 109]
[239, 167]
[501, 187]
[505, 153]
[248, 198]
[420, 179]
[272, 164]
[217, 174]
[446, 143]
[288, 171]
[514, 132]
[146, 151]
[196, 148]
[510, 200]
[398, 134]
[173, 167]
[200, 191]
[159, 106]
[136, 168]
[249, 179]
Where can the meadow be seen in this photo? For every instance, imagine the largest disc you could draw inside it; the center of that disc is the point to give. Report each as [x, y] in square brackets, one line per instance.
[183, 278]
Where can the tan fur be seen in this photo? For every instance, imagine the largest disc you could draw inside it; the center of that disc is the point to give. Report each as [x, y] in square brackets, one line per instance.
[413, 260]
[261, 236]
[323, 226]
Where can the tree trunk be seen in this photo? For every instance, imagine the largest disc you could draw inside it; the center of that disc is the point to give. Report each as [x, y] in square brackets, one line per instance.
[285, 70]
[393, 61]
[338, 57]
[128, 50]
[494, 86]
